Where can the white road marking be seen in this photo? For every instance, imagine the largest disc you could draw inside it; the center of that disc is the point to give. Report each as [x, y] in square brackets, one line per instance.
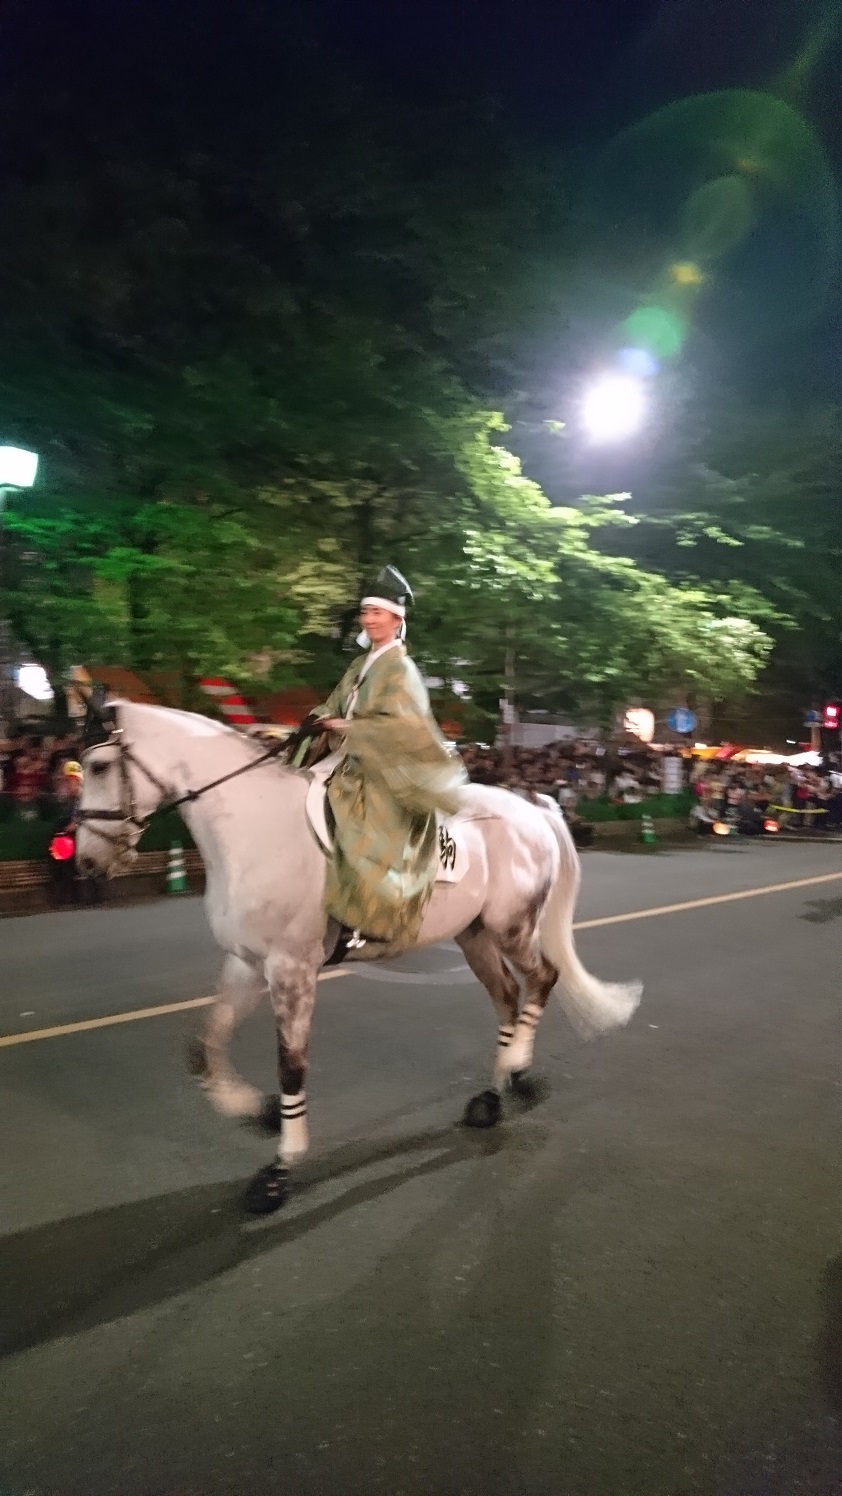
[718, 898]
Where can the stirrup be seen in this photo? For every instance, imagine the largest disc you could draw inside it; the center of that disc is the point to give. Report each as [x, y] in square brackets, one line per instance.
[341, 946]
[350, 940]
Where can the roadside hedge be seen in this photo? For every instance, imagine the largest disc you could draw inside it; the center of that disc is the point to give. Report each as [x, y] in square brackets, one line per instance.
[660, 807]
[29, 841]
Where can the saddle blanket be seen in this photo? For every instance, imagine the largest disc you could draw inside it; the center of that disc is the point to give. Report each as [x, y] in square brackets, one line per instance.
[453, 852]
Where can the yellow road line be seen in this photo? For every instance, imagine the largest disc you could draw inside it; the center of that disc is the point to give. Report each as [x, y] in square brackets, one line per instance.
[719, 898]
[9, 1040]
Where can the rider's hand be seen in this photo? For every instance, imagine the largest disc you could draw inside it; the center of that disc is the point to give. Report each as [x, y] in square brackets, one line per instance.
[334, 724]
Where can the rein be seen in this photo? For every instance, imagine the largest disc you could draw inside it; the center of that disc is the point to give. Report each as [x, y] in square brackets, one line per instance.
[191, 795]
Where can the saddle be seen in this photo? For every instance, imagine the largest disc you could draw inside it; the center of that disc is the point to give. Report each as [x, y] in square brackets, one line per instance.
[453, 851]
[308, 749]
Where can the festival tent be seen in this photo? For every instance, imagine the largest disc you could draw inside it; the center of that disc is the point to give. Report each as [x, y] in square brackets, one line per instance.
[289, 708]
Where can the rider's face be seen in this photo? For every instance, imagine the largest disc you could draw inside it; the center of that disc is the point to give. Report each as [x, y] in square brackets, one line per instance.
[380, 625]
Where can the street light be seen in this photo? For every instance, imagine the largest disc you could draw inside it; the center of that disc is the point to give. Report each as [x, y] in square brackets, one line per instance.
[18, 468]
[614, 407]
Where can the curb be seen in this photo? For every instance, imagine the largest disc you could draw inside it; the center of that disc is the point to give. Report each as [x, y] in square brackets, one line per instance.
[631, 830]
[25, 887]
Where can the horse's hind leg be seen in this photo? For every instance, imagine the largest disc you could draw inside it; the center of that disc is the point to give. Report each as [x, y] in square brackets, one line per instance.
[241, 989]
[483, 955]
[520, 946]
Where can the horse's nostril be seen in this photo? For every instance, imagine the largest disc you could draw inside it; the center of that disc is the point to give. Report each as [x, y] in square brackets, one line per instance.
[86, 866]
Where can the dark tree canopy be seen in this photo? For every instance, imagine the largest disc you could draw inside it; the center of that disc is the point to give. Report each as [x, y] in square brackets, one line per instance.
[264, 326]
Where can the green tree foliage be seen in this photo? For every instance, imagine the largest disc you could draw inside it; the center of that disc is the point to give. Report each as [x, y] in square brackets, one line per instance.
[583, 631]
[164, 586]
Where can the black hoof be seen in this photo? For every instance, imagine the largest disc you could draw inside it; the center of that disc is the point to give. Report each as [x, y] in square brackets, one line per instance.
[197, 1059]
[268, 1120]
[267, 1191]
[524, 1086]
[484, 1110]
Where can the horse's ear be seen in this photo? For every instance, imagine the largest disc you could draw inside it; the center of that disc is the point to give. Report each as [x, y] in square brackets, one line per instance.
[100, 718]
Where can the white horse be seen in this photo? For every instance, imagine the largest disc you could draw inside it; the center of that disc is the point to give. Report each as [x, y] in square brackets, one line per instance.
[511, 913]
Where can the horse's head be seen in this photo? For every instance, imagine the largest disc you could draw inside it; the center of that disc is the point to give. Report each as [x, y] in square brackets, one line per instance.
[119, 794]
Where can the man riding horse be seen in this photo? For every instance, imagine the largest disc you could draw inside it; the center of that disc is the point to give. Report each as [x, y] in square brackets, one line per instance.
[394, 772]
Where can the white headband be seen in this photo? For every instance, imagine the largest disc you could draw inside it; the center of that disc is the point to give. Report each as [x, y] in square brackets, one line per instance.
[384, 602]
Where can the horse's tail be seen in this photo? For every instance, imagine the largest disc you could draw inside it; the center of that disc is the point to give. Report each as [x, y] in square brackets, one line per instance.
[593, 1007]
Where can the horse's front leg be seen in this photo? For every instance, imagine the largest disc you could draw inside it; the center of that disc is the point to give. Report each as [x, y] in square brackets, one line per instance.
[241, 988]
[292, 986]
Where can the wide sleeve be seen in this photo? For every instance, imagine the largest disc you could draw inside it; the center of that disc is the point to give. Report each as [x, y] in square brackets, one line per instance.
[395, 737]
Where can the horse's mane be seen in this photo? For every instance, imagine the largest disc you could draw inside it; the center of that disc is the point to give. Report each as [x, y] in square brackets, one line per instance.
[199, 725]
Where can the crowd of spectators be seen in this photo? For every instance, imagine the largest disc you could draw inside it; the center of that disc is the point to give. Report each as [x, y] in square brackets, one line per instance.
[41, 780]
[747, 795]
[794, 798]
[32, 773]
[575, 774]
[38, 776]
[571, 772]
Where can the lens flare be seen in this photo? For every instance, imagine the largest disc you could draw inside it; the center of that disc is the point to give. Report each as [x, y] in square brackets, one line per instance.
[638, 363]
[685, 273]
[658, 330]
[717, 218]
[737, 185]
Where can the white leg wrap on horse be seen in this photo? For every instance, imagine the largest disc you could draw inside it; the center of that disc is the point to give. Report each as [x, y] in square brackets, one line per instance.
[295, 1138]
[505, 1034]
[518, 1056]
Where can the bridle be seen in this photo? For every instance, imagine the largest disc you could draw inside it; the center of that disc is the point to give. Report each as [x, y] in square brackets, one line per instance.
[127, 816]
[102, 730]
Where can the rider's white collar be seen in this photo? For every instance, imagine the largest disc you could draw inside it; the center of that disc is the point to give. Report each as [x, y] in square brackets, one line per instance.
[374, 654]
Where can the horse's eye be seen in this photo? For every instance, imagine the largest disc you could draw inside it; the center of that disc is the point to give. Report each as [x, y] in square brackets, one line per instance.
[99, 768]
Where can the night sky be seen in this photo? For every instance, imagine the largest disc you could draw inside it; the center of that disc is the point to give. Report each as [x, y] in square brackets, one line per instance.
[550, 67]
[562, 70]
[571, 70]
[562, 77]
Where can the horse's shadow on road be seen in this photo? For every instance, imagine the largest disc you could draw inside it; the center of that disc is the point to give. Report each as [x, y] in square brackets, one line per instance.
[72, 1275]
[829, 1345]
[822, 911]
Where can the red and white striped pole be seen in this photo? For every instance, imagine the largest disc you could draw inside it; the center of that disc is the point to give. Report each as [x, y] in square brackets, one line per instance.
[232, 705]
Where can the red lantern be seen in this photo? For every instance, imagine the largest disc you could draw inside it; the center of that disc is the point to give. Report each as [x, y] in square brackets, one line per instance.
[62, 847]
[771, 825]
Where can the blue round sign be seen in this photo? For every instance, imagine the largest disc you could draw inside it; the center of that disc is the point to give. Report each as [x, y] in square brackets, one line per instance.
[681, 719]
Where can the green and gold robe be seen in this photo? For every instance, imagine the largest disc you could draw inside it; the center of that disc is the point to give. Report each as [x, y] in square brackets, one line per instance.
[396, 772]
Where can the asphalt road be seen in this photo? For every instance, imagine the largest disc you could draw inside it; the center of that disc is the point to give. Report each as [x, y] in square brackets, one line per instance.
[633, 1289]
